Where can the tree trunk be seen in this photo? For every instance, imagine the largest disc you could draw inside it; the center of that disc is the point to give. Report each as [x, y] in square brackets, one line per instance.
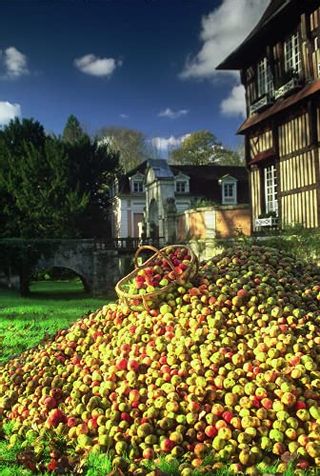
[24, 282]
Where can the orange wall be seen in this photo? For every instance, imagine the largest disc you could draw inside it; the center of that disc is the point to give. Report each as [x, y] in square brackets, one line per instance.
[181, 226]
[195, 223]
[197, 228]
[230, 222]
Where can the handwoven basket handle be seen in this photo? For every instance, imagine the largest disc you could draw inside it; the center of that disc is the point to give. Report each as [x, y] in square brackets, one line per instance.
[143, 248]
[156, 251]
[145, 304]
[196, 265]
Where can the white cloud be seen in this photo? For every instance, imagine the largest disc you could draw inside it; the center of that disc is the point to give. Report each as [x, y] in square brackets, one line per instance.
[8, 111]
[124, 116]
[14, 62]
[167, 143]
[91, 64]
[221, 32]
[171, 114]
[235, 103]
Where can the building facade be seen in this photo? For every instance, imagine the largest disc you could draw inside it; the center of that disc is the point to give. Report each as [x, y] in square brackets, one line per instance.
[148, 200]
[280, 70]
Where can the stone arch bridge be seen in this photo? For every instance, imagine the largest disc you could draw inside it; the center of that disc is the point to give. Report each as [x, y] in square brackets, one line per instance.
[99, 264]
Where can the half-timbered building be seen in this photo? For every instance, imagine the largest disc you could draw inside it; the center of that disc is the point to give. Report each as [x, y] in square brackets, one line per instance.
[280, 70]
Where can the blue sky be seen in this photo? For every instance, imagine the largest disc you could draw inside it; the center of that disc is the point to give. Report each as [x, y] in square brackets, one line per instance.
[142, 64]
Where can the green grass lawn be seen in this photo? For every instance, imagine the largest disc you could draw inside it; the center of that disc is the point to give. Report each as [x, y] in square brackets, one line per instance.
[52, 305]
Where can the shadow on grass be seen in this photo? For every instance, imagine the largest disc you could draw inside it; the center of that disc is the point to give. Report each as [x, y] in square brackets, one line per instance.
[56, 294]
[40, 295]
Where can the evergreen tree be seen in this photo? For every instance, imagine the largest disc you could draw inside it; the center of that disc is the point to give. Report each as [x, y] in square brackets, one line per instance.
[93, 166]
[13, 140]
[19, 132]
[50, 188]
[42, 205]
[72, 131]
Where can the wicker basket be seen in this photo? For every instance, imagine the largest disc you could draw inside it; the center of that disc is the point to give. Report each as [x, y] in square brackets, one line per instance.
[151, 299]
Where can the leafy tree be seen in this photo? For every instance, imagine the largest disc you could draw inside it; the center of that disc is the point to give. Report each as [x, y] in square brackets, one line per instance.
[232, 157]
[198, 148]
[129, 143]
[203, 148]
[72, 131]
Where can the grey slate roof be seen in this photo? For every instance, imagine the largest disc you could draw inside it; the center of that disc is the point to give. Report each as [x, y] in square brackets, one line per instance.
[160, 167]
[204, 179]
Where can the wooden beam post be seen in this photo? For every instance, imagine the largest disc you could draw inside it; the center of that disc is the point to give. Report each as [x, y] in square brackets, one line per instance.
[275, 137]
[306, 47]
[313, 106]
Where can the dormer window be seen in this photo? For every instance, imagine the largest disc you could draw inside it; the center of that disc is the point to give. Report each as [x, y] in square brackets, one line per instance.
[229, 190]
[181, 186]
[292, 56]
[182, 183]
[137, 186]
[137, 183]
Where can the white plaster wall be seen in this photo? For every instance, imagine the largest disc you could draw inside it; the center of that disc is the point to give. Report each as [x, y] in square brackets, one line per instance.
[134, 206]
[121, 207]
[160, 190]
[210, 222]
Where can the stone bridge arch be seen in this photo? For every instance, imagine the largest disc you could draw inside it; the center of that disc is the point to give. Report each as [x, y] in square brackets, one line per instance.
[76, 255]
[84, 279]
[97, 265]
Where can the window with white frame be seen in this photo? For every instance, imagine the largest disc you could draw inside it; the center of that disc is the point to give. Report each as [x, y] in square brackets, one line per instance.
[137, 183]
[137, 186]
[264, 78]
[270, 189]
[229, 190]
[229, 193]
[181, 186]
[292, 56]
[182, 183]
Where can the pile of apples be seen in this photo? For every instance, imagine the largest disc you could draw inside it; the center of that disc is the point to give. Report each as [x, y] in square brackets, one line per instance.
[159, 273]
[225, 371]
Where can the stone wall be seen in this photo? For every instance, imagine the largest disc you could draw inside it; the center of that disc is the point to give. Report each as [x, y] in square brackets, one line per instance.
[98, 266]
[106, 271]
